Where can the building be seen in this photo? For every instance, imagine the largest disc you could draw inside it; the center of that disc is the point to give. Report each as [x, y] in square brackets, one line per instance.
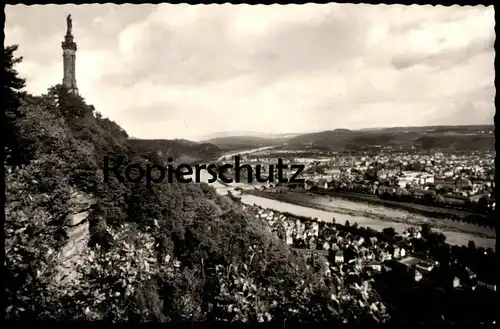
[359, 241]
[445, 183]
[333, 172]
[308, 184]
[417, 276]
[339, 257]
[399, 252]
[374, 265]
[322, 183]
[321, 255]
[69, 59]
[487, 285]
[421, 265]
[426, 179]
[414, 178]
[311, 252]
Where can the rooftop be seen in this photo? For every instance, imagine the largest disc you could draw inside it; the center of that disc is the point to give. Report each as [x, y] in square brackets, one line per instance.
[410, 260]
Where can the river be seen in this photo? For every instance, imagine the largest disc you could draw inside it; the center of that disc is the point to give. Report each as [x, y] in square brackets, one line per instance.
[452, 236]
[246, 152]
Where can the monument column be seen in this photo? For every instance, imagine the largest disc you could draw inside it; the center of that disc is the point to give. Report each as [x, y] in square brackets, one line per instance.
[69, 59]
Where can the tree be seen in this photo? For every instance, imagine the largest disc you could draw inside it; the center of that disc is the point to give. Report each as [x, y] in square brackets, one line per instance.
[390, 232]
[13, 84]
[425, 229]
[429, 197]
[440, 237]
[439, 199]
[482, 204]
[12, 92]
[319, 169]
[471, 245]
[124, 271]
[32, 235]
[371, 175]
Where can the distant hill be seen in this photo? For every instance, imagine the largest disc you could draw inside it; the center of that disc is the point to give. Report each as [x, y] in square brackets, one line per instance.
[257, 134]
[471, 137]
[465, 128]
[178, 148]
[444, 137]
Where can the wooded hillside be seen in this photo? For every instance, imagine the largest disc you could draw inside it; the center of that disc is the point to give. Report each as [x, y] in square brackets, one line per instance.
[168, 252]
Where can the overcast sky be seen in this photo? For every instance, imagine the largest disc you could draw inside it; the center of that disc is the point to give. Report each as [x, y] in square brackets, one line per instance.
[180, 71]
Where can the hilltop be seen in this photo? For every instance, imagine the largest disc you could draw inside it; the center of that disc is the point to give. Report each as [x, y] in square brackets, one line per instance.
[470, 137]
[456, 129]
[432, 137]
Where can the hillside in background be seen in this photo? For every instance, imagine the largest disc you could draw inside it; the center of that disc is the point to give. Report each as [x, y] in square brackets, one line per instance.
[460, 138]
[438, 137]
[177, 148]
[449, 129]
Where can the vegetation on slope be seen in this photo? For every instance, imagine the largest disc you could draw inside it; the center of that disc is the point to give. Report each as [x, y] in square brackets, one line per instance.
[168, 252]
[177, 148]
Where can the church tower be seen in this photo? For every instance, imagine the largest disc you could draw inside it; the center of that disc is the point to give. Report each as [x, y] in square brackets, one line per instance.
[69, 59]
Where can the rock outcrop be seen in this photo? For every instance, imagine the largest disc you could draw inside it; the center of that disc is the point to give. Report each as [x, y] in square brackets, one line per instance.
[77, 229]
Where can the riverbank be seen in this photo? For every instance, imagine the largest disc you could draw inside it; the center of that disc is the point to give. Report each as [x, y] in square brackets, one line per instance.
[452, 237]
[427, 210]
[381, 214]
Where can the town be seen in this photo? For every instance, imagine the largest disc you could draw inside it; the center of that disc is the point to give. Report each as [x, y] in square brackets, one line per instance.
[452, 176]
[397, 266]
[457, 181]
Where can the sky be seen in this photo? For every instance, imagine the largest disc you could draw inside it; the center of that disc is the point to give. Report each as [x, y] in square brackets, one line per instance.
[180, 71]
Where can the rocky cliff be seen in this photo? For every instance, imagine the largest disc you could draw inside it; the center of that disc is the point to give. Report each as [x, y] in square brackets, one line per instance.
[77, 228]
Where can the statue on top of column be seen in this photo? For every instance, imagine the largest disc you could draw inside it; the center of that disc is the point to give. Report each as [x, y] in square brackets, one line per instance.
[69, 24]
